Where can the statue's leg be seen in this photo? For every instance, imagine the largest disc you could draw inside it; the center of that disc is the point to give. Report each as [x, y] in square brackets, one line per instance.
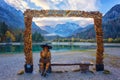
[41, 68]
[46, 68]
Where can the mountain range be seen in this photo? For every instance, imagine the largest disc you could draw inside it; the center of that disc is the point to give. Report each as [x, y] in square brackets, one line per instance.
[63, 30]
[110, 25]
[15, 18]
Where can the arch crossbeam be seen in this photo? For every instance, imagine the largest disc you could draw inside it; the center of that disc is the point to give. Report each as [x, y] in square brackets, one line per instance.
[62, 13]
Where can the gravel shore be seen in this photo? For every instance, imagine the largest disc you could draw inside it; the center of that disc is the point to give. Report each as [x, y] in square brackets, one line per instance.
[10, 64]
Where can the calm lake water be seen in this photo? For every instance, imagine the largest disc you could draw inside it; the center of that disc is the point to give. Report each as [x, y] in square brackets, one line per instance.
[57, 47]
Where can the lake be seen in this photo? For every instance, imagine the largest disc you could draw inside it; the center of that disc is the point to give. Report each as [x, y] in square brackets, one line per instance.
[14, 48]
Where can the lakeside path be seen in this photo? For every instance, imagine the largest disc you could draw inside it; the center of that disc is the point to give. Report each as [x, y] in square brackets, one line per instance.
[10, 64]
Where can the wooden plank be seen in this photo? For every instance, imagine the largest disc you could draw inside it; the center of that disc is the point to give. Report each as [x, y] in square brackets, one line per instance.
[70, 64]
[58, 64]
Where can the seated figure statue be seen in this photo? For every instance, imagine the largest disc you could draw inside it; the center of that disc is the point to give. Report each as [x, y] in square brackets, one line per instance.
[45, 60]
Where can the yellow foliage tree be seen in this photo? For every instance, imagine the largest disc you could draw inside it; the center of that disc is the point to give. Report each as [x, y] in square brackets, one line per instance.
[73, 39]
[110, 39]
[8, 34]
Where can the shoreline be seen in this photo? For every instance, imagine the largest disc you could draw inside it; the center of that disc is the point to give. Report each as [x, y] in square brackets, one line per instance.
[12, 63]
[65, 43]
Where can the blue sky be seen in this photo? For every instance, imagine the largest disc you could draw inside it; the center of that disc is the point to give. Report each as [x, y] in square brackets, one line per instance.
[87, 5]
[105, 5]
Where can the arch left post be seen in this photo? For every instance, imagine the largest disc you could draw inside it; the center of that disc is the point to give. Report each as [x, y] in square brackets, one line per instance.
[28, 44]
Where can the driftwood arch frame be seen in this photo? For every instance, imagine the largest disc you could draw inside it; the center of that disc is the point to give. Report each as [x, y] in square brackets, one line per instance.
[29, 14]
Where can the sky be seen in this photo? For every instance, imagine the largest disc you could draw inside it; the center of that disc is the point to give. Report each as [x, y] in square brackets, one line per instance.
[85, 5]
[105, 5]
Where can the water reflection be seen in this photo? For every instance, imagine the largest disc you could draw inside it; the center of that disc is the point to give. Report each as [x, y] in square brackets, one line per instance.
[36, 48]
[11, 48]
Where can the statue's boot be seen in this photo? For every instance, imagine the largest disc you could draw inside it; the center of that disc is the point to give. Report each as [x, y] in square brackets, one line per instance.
[45, 73]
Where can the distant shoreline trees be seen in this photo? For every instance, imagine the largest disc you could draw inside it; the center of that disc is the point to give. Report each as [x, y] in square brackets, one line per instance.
[109, 40]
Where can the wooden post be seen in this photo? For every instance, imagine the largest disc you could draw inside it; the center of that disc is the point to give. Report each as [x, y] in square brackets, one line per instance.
[100, 47]
[28, 45]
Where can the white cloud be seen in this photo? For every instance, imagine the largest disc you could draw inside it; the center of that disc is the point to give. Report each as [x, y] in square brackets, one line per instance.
[52, 34]
[73, 4]
[56, 4]
[86, 5]
[54, 21]
[67, 5]
[41, 3]
[18, 4]
[56, 1]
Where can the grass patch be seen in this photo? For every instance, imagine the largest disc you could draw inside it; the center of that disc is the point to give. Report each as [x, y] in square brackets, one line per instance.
[77, 70]
[104, 55]
[106, 72]
[85, 50]
[20, 72]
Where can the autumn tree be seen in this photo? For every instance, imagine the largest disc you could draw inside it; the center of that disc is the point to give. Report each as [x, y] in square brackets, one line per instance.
[110, 40]
[73, 39]
[9, 36]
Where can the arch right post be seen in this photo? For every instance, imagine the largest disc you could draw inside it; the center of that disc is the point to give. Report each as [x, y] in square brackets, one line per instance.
[100, 46]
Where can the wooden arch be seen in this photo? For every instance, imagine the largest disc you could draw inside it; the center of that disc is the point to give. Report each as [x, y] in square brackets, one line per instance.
[29, 14]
